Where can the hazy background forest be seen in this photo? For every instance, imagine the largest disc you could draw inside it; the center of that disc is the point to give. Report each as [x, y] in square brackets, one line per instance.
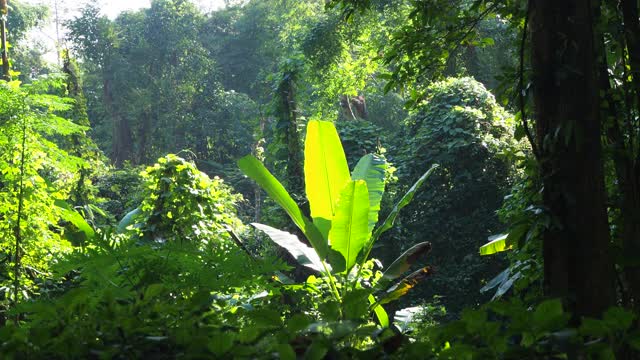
[126, 193]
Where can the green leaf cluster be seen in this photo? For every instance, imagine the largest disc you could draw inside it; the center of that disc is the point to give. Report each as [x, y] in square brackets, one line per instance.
[344, 211]
[37, 177]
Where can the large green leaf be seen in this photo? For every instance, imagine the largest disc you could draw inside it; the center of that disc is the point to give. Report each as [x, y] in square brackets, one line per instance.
[404, 201]
[404, 261]
[350, 228]
[127, 220]
[496, 244]
[303, 254]
[254, 169]
[381, 313]
[371, 168]
[325, 172]
[70, 215]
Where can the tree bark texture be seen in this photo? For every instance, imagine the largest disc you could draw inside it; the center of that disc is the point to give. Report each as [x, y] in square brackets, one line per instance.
[295, 172]
[577, 264]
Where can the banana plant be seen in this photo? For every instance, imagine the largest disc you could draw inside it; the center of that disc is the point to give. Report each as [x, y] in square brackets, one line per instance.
[344, 209]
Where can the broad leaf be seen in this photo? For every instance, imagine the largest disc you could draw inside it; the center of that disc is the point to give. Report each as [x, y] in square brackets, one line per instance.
[127, 220]
[497, 280]
[503, 281]
[325, 172]
[371, 168]
[93, 208]
[506, 279]
[404, 201]
[506, 285]
[402, 288]
[404, 261]
[496, 244]
[381, 313]
[303, 254]
[254, 169]
[70, 215]
[282, 278]
[350, 228]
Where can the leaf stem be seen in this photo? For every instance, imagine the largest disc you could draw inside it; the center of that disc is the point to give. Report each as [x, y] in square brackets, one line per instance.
[334, 288]
[18, 232]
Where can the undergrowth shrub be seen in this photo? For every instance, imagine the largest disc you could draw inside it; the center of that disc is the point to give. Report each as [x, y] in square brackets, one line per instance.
[168, 282]
[461, 127]
[36, 179]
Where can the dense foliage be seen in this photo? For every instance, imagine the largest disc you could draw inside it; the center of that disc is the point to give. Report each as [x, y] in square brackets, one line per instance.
[460, 127]
[269, 180]
[128, 291]
[36, 180]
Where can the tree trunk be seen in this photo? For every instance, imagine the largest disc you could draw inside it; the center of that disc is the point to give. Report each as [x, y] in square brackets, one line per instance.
[4, 12]
[577, 266]
[628, 168]
[295, 173]
[143, 136]
[121, 142]
[257, 152]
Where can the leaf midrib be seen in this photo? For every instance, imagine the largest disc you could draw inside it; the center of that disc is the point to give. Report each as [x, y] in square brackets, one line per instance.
[350, 222]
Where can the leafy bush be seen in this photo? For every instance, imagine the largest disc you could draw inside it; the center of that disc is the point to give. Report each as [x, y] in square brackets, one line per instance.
[119, 190]
[171, 283]
[36, 177]
[515, 330]
[180, 203]
[344, 208]
[461, 127]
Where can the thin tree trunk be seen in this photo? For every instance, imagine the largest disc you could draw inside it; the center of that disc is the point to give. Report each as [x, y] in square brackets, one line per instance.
[611, 113]
[632, 38]
[257, 191]
[577, 265]
[4, 12]
[143, 136]
[295, 173]
[629, 170]
[121, 142]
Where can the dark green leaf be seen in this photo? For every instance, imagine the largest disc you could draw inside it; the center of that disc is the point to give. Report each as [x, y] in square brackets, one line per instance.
[618, 319]
[316, 351]
[285, 351]
[404, 261]
[549, 315]
[221, 343]
[402, 288]
[404, 201]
